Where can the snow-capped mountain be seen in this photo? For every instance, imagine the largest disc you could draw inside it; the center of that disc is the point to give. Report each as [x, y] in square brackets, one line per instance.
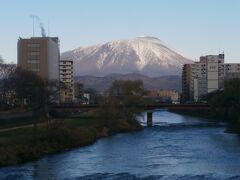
[145, 55]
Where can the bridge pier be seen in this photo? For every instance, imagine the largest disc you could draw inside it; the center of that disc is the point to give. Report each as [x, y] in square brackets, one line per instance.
[149, 118]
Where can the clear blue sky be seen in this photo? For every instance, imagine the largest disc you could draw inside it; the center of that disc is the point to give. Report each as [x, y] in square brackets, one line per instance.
[192, 27]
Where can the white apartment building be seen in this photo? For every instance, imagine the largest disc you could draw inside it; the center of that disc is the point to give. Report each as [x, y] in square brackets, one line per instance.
[66, 80]
[207, 76]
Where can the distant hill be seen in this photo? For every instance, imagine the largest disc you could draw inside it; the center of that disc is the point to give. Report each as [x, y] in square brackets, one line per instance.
[151, 83]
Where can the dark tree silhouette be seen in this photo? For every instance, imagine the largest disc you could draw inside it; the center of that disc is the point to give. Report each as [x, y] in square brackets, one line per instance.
[27, 90]
[229, 102]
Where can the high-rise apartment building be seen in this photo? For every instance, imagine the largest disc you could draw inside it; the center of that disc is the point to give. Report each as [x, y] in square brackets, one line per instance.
[186, 77]
[206, 76]
[66, 81]
[40, 55]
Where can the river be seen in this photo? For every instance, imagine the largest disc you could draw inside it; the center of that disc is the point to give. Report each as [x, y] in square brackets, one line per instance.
[176, 147]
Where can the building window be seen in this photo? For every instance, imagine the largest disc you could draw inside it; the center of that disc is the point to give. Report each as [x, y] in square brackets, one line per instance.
[34, 45]
[33, 66]
[33, 61]
[34, 53]
[33, 56]
[212, 67]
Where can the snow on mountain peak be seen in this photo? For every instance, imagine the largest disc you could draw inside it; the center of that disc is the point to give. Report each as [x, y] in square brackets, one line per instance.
[146, 55]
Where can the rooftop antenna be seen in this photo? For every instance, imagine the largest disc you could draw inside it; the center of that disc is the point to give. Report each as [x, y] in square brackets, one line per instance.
[33, 24]
[48, 29]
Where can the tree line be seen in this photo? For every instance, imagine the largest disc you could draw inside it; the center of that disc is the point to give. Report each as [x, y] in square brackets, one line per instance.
[123, 102]
[227, 104]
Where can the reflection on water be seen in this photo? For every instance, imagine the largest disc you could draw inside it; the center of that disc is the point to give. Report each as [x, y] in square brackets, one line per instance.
[177, 147]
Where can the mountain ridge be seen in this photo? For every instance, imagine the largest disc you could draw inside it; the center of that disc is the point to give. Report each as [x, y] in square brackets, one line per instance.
[101, 84]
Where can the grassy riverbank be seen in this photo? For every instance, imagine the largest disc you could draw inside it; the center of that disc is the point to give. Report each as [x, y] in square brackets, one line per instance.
[23, 144]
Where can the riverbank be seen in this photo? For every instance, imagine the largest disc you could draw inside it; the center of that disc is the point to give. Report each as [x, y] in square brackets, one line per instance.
[207, 114]
[27, 144]
[213, 116]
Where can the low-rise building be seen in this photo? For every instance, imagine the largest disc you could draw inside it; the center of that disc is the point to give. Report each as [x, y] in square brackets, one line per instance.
[165, 96]
[87, 98]
[232, 75]
[173, 95]
[78, 93]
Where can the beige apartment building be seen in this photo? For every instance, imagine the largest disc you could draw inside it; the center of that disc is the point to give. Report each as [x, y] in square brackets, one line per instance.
[66, 81]
[206, 76]
[40, 55]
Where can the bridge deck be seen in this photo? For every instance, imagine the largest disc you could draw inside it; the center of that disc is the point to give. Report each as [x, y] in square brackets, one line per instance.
[148, 107]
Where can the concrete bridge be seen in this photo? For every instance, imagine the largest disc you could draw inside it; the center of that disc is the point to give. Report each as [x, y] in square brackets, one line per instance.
[72, 107]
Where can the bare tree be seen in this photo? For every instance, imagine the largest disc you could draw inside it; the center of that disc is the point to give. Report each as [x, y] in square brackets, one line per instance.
[31, 92]
[1, 60]
[6, 70]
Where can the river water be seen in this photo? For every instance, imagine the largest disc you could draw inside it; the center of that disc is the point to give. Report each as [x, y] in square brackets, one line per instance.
[176, 147]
